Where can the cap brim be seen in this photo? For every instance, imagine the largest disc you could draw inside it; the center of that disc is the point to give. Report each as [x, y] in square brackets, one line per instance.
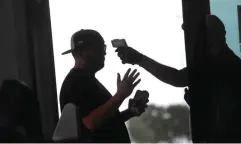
[67, 52]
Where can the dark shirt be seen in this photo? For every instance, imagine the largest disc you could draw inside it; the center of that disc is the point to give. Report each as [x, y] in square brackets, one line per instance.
[223, 76]
[87, 93]
[227, 95]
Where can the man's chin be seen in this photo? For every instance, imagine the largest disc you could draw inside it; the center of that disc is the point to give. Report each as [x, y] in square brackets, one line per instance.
[101, 67]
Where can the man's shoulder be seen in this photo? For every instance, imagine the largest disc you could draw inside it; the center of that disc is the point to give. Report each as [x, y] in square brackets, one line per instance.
[230, 54]
[73, 80]
[74, 87]
[76, 76]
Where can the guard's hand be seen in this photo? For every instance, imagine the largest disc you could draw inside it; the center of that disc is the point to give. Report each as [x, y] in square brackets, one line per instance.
[129, 55]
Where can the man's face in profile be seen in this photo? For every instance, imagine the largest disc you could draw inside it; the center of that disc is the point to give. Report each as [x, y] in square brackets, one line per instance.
[96, 56]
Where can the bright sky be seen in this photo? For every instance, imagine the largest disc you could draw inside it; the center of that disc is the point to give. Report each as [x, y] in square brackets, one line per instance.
[151, 27]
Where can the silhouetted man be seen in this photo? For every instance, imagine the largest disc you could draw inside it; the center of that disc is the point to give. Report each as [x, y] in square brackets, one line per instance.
[179, 78]
[223, 79]
[102, 121]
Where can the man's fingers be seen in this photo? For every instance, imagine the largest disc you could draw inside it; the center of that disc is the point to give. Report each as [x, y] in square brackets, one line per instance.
[136, 83]
[127, 74]
[118, 79]
[138, 91]
[146, 92]
[135, 77]
[123, 62]
[120, 50]
[145, 106]
[142, 111]
[132, 74]
[120, 55]
[146, 101]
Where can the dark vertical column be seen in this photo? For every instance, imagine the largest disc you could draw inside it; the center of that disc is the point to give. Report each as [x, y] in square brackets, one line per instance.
[8, 60]
[194, 13]
[40, 38]
[26, 53]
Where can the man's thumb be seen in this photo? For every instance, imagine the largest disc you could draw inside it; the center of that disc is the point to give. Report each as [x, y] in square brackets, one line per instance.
[118, 79]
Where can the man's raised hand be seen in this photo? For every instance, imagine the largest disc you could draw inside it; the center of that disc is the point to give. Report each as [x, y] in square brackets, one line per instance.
[126, 86]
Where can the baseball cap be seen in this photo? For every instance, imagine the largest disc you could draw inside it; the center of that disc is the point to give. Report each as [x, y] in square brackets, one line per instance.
[84, 37]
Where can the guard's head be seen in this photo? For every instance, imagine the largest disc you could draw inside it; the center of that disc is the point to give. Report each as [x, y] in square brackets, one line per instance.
[216, 32]
[88, 46]
[216, 36]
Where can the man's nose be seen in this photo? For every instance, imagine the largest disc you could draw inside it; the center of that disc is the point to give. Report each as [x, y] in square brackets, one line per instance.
[105, 51]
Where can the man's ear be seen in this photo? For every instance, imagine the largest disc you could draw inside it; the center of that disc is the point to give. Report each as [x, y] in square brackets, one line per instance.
[83, 55]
